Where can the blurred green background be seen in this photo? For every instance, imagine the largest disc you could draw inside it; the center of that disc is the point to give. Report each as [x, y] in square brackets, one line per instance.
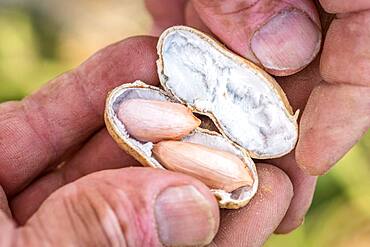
[40, 39]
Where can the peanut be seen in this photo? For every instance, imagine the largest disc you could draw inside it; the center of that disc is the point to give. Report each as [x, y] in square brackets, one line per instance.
[153, 121]
[217, 169]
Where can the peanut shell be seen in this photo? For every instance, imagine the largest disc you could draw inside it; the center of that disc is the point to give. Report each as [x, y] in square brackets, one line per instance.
[249, 109]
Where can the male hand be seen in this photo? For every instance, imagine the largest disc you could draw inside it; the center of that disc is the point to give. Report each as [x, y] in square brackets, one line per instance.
[53, 139]
[63, 123]
[283, 37]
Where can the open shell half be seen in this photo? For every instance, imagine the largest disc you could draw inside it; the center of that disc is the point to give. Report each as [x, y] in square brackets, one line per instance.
[142, 151]
[246, 104]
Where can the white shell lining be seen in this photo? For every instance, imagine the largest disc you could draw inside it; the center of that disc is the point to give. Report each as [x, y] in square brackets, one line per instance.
[248, 109]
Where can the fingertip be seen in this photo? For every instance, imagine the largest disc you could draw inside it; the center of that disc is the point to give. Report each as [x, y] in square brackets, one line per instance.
[193, 19]
[165, 13]
[335, 118]
[347, 40]
[344, 6]
[308, 163]
[288, 228]
[273, 178]
[253, 224]
[185, 216]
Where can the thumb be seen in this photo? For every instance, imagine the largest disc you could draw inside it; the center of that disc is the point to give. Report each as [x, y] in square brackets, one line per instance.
[282, 36]
[126, 207]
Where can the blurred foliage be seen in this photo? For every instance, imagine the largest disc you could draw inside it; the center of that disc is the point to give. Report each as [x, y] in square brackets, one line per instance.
[28, 54]
[35, 46]
[340, 212]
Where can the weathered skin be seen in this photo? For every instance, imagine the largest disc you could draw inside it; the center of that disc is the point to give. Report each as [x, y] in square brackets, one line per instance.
[342, 51]
[245, 26]
[45, 120]
[275, 185]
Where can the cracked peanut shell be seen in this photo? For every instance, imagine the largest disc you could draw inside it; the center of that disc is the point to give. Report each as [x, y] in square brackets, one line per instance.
[249, 109]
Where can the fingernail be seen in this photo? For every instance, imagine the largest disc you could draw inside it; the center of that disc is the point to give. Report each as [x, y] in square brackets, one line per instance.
[184, 217]
[287, 43]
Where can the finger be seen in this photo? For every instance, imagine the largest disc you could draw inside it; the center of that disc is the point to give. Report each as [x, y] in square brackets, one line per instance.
[253, 224]
[337, 115]
[192, 19]
[335, 118]
[40, 129]
[100, 153]
[303, 188]
[166, 13]
[345, 57]
[344, 6]
[126, 207]
[282, 36]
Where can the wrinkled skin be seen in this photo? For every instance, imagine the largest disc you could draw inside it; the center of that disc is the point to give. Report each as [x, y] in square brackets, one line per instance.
[61, 126]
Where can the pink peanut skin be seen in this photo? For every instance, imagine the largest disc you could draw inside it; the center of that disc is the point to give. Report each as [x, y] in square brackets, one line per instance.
[153, 121]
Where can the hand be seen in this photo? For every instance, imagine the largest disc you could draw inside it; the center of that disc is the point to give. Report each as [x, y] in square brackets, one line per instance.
[51, 140]
[63, 122]
[283, 36]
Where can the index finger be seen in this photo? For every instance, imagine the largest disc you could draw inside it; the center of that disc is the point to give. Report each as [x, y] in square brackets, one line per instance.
[40, 129]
